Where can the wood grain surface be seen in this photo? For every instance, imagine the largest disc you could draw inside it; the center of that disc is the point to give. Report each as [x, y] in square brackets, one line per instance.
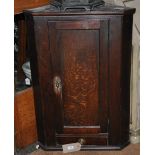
[25, 121]
[80, 77]
[20, 5]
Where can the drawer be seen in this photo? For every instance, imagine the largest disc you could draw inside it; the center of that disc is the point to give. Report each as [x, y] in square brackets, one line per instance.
[93, 139]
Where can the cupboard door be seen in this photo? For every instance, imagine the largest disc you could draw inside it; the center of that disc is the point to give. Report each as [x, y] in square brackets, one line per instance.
[79, 61]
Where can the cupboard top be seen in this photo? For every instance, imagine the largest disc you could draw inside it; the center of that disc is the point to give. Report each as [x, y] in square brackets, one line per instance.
[59, 9]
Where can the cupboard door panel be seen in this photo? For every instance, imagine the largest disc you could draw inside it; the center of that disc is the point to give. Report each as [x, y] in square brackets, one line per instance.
[75, 49]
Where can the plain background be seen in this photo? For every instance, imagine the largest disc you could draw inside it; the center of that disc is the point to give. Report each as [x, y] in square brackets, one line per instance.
[147, 77]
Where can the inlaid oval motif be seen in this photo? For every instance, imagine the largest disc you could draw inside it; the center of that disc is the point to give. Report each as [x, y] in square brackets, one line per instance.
[57, 85]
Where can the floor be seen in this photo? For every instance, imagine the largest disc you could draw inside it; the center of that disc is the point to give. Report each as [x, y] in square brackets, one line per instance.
[132, 149]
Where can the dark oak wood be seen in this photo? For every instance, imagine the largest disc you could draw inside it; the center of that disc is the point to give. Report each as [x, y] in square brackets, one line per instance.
[125, 78]
[86, 147]
[115, 79]
[89, 139]
[81, 75]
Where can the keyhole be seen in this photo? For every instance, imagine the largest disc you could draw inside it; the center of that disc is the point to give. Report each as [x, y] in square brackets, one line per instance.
[57, 84]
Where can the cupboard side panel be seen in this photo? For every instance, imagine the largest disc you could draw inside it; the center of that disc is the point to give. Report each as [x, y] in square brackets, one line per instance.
[35, 73]
[103, 75]
[45, 80]
[115, 45]
[125, 79]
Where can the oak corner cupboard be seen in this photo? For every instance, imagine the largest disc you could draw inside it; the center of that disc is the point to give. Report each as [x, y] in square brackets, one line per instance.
[80, 61]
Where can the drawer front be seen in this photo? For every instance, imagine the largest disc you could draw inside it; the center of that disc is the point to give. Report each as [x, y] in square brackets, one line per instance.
[83, 139]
